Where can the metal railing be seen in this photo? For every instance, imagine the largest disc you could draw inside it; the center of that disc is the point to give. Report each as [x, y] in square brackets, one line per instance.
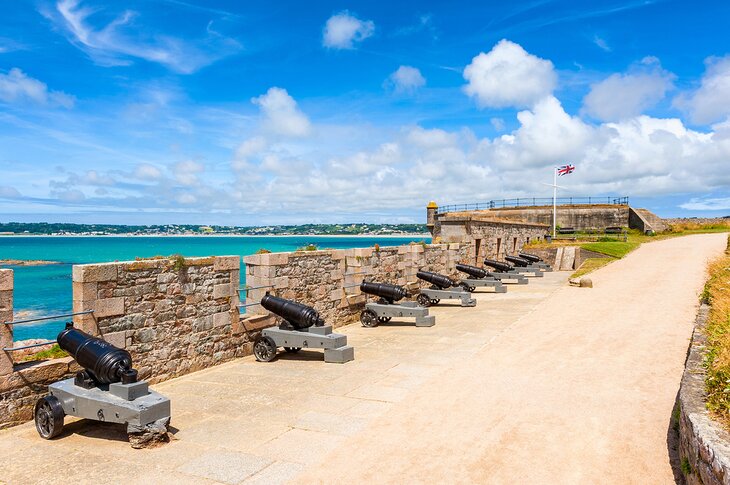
[41, 319]
[245, 290]
[532, 201]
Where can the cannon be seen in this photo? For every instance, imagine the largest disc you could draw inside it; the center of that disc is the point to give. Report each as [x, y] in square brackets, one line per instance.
[524, 266]
[107, 389]
[300, 327]
[442, 288]
[536, 261]
[505, 272]
[479, 277]
[386, 308]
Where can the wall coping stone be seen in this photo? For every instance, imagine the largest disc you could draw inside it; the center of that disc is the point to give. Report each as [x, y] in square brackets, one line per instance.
[704, 443]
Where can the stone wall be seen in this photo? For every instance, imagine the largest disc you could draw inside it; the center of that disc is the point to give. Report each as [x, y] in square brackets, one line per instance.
[491, 237]
[23, 384]
[6, 315]
[597, 216]
[328, 280]
[174, 317]
[704, 445]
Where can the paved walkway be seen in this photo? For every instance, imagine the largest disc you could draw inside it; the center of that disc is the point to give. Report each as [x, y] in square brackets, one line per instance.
[544, 384]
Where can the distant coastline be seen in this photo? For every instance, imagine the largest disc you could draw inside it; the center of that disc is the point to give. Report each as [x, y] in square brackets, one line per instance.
[164, 230]
[387, 236]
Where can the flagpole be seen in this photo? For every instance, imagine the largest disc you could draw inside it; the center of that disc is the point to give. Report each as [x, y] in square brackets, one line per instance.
[555, 204]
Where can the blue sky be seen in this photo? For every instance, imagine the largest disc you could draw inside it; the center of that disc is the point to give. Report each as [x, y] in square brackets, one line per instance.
[167, 111]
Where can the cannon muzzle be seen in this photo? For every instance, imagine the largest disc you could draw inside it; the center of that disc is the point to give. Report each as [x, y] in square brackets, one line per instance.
[299, 316]
[517, 261]
[533, 258]
[436, 279]
[498, 265]
[472, 270]
[388, 293]
[104, 362]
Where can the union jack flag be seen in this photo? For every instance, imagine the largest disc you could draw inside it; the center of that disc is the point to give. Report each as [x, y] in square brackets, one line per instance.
[565, 170]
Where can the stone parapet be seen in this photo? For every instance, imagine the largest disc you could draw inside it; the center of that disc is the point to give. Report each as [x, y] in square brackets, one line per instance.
[6, 315]
[173, 315]
[704, 445]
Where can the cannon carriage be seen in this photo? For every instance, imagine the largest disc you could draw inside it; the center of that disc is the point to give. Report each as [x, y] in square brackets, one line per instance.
[300, 327]
[523, 266]
[108, 389]
[480, 277]
[535, 261]
[387, 308]
[505, 272]
[442, 288]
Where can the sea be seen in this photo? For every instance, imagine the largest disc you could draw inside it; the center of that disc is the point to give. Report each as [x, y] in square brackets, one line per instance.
[46, 290]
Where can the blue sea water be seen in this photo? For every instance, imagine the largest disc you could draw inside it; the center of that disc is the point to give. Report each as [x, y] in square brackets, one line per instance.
[46, 290]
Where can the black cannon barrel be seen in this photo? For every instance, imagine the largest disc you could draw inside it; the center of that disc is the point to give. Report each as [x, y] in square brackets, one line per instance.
[298, 315]
[436, 279]
[498, 265]
[388, 292]
[104, 362]
[517, 260]
[472, 270]
[533, 258]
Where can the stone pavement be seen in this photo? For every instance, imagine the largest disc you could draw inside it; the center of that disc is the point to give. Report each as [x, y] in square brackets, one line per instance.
[544, 384]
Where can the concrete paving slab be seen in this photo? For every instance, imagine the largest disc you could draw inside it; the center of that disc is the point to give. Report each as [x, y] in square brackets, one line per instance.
[225, 466]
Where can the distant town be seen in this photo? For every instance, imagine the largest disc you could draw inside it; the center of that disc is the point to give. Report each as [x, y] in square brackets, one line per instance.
[62, 229]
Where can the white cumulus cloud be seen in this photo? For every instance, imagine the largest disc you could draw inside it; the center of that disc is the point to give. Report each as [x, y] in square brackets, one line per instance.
[343, 31]
[711, 101]
[281, 114]
[627, 95]
[406, 79]
[508, 76]
[16, 86]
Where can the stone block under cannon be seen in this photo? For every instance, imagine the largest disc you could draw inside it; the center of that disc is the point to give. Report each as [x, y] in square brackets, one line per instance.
[386, 308]
[442, 288]
[106, 390]
[300, 327]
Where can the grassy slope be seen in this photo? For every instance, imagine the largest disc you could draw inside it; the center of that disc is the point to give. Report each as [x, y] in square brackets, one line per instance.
[717, 294]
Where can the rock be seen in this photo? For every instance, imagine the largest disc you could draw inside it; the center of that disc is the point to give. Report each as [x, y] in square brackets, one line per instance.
[150, 436]
[586, 283]
[574, 281]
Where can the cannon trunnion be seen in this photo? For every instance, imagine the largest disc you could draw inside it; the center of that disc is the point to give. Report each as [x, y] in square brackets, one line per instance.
[301, 327]
[106, 390]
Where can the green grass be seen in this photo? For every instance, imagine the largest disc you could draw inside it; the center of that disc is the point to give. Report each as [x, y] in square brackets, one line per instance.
[717, 359]
[685, 466]
[54, 352]
[617, 249]
[590, 265]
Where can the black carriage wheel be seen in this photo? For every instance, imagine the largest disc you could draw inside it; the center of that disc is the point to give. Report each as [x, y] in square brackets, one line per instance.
[384, 319]
[292, 350]
[264, 349]
[368, 318]
[435, 301]
[48, 415]
[424, 300]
